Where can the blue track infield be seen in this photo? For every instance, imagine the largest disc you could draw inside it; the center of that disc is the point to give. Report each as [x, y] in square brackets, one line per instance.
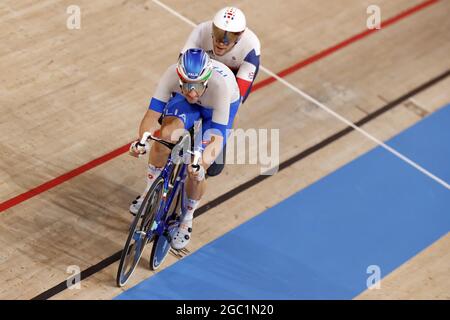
[318, 243]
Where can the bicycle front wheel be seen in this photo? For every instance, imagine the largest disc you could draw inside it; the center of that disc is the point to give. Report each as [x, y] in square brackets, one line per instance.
[137, 237]
[161, 245]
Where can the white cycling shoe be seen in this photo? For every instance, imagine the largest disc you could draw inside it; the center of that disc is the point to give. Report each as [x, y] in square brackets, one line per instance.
[136, 205]
[182, 235]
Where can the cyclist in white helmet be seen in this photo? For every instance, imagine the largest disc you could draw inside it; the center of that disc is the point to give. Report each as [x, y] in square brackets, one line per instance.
[196, 87]
[227, 39]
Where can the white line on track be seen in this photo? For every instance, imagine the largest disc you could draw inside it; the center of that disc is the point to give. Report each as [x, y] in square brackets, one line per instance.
[325, 108]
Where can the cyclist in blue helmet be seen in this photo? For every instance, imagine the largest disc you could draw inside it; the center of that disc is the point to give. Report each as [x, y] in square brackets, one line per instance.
[196, 87]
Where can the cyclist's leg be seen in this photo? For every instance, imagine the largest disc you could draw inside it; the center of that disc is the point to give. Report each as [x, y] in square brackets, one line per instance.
[194, 192]
[217, 166]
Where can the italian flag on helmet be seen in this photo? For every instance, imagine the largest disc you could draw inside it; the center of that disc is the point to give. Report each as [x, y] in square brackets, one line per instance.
[194, 66]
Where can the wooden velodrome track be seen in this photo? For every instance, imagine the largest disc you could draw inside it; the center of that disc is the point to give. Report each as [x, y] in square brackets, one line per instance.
[68, 97]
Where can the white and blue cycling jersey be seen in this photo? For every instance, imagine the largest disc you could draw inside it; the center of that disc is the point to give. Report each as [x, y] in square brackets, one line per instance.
[217, 106]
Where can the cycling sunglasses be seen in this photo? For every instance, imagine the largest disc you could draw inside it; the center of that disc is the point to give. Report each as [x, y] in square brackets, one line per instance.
[197, 86]
[225, 37]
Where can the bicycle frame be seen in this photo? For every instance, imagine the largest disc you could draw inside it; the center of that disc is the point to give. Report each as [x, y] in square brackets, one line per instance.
[167, 201]
[160, 225]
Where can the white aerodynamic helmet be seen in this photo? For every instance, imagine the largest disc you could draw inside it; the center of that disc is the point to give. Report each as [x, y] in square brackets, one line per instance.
[230, 19]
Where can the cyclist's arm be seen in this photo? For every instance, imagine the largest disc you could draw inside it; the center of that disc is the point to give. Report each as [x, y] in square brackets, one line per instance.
[247, 73]
[165, 87]
[149, 122]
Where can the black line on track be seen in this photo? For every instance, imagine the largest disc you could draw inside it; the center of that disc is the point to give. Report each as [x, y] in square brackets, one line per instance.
[233, 192]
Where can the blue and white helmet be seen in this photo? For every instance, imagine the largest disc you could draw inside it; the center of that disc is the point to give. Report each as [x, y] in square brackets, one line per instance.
[194, 66]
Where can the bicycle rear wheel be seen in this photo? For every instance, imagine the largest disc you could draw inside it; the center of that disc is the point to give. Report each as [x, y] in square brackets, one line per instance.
[137, 236]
